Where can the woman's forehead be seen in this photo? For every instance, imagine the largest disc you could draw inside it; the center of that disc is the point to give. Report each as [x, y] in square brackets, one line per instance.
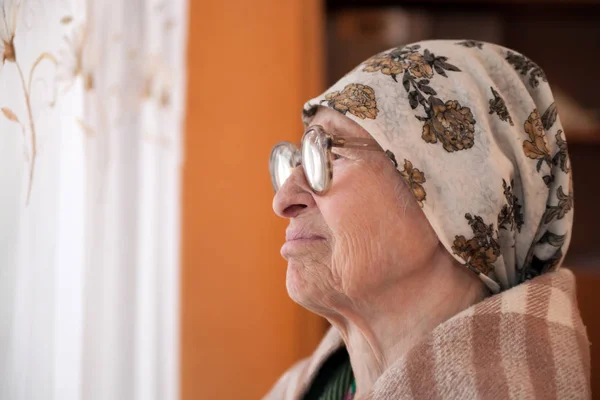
[337, 123]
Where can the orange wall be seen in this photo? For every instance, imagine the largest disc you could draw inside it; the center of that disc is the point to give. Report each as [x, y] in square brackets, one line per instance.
[251, 64]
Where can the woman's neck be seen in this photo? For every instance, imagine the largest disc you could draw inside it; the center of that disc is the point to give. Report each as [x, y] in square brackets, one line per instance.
[384, 328]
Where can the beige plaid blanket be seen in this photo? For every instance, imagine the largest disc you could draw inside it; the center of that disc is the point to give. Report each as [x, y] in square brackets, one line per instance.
[528, 342]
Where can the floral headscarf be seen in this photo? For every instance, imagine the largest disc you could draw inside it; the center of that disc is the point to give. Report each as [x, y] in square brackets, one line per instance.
[473, 129]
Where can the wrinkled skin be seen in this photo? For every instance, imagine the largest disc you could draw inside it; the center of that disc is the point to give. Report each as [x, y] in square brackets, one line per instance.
[374, 231]
[367, 258]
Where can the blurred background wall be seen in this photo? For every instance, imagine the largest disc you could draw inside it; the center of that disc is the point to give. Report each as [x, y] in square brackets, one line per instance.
[251, 66]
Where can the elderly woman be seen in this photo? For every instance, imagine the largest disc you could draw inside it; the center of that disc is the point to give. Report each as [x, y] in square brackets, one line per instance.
[430, 206]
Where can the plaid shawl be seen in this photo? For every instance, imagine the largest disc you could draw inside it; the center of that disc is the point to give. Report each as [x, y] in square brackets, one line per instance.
[528, 342]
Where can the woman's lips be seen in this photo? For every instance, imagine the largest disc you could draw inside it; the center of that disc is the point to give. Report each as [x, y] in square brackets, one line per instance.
[301, 234]
[299, 240]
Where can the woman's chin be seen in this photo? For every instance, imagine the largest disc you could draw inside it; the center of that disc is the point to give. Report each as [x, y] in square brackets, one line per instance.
[298, 287]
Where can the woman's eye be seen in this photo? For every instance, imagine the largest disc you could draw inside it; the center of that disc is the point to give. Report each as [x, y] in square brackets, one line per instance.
[336, 156]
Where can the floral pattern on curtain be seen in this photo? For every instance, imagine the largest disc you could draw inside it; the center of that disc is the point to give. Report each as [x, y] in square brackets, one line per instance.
[92, 98]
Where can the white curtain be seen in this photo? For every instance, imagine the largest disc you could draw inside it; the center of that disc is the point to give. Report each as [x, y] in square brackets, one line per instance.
[92, 97]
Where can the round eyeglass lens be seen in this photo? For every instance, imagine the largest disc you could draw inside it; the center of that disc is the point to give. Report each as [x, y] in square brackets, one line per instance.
[281, 163]
[314, 160]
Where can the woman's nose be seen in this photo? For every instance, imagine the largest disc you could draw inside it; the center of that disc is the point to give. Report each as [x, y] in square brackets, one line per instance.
[294, 196]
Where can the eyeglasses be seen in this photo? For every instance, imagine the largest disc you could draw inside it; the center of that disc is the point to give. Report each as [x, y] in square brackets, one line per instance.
[315, 156]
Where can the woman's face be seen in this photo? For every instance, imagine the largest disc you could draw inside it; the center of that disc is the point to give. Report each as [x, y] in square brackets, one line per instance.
[366, 233]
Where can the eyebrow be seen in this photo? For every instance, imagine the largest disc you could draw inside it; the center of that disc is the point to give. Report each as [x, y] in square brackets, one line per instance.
[336, 129]
[333, 129]
[355, 131]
